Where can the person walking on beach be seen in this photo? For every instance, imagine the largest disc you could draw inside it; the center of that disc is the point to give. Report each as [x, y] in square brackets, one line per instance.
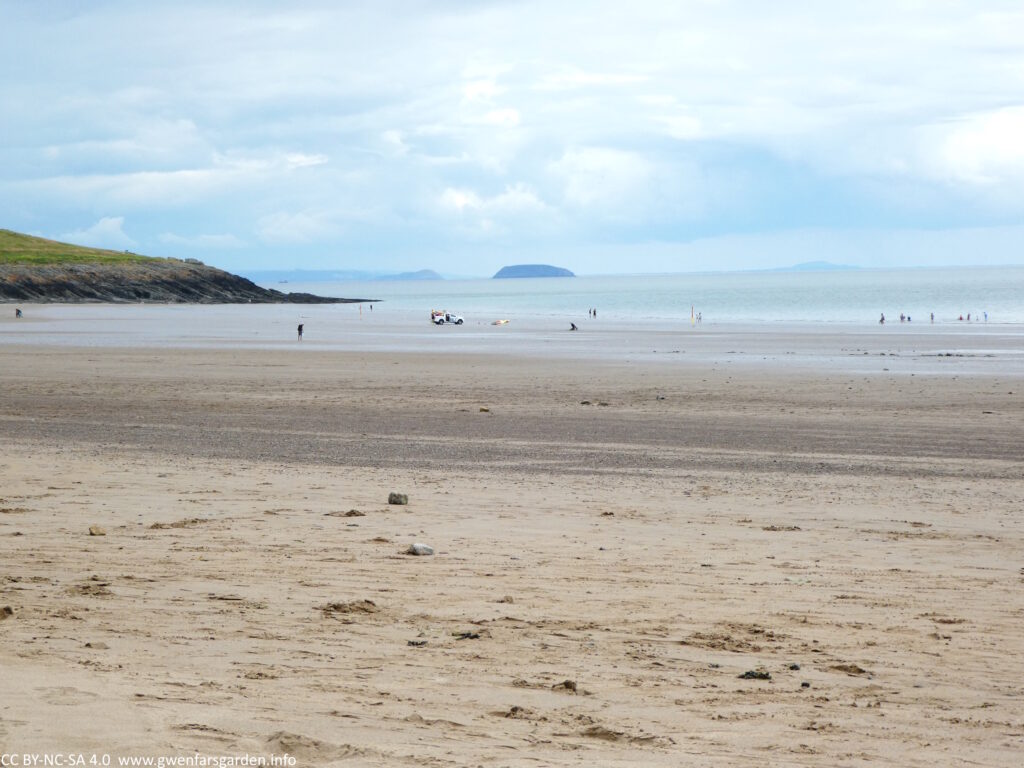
[300, 331]
[17, 313]
[881, 320]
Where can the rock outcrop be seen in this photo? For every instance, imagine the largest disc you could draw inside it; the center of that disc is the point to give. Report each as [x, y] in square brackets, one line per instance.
[34, 269]
[157, 281]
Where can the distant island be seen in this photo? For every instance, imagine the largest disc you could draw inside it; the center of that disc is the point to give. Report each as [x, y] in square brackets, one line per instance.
[817, 266]
[40, 270]
[532, 270]
[269, 276]
[421, 274]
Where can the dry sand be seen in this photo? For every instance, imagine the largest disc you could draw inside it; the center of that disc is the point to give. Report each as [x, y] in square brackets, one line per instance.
[604, 572]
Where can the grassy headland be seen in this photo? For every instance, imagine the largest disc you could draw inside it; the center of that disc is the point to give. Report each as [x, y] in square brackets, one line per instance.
[34, 269]
[16, 248]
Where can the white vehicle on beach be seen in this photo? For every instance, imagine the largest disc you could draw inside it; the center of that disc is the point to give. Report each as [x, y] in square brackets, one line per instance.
[440, 317]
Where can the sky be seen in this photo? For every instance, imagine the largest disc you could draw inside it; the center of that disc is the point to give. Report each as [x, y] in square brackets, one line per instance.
[605, 137]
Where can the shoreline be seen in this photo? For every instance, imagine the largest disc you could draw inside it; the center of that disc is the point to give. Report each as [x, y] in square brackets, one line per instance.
[991, 349]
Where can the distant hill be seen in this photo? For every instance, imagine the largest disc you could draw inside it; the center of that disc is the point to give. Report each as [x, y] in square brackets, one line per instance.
[817, 266]
[39, 270]
[268, 276]
[532, 270]
[422, 274]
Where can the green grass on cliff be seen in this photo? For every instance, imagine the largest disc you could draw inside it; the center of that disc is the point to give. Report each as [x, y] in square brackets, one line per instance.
[16, 248]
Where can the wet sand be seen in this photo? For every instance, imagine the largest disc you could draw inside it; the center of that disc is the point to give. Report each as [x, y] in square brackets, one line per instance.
[618, 538]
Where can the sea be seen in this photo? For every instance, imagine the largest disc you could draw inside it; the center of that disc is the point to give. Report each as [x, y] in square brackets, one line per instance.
[817, 319]
[862, 296]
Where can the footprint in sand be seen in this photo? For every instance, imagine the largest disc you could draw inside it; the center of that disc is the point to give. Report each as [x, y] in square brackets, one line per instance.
[65, 695]
[309, 750]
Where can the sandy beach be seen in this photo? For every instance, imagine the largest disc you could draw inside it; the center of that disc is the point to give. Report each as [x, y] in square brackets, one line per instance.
[732, 549]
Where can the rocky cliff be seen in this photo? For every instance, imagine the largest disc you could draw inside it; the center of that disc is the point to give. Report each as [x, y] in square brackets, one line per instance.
[34, 269]
[158, 281]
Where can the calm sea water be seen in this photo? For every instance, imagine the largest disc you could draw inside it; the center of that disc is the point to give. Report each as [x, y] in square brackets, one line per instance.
[854, 296]
[820, 321]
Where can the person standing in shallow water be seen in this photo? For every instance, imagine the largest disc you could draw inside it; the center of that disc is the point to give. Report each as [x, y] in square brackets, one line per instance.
[300, 331]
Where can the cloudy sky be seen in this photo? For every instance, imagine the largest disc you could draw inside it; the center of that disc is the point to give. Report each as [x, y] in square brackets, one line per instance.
[462, 136]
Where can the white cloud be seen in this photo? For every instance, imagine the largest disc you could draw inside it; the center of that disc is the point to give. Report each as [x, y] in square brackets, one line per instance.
[513, 200]
[284, 228]
[684, 127]
[149, 143]
[480, 90]
[215, 242]
[460, 199]
[480, 216]
[519, 198]
[146, 190]
[503, 117]
[108, 232]
[394, 141]
[601, 177]
[294, 160]
[138, 190]
[575, 78]
[982, 149]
